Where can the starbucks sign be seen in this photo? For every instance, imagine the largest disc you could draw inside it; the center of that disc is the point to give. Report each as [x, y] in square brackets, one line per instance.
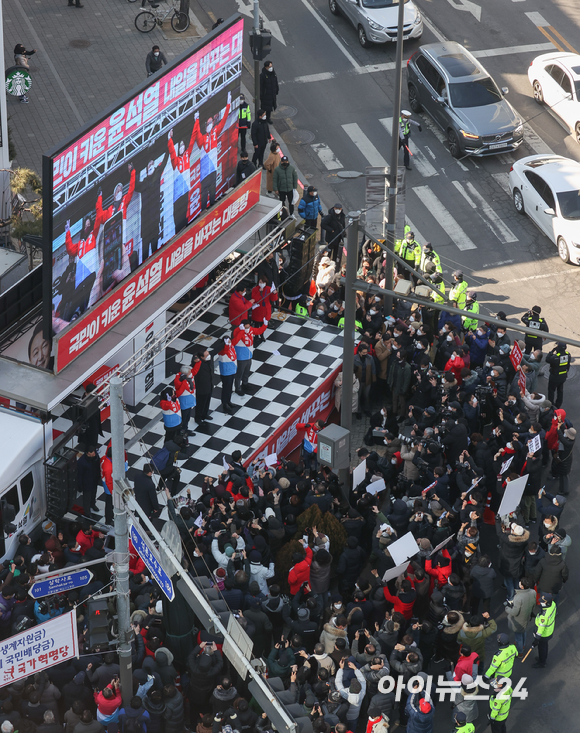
[18, 81]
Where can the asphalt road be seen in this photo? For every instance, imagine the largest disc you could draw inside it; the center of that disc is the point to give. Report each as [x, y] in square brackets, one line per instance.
[334, 112]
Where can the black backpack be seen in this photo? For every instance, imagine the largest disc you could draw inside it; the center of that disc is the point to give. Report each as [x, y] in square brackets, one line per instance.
[133, 725]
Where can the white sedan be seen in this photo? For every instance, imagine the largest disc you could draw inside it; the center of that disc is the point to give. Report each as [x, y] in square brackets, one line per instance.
[547, 189]
[555, 80]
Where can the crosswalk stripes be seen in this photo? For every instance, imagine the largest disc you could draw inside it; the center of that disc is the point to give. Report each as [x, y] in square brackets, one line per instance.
[444, 218]
[502, 180]
[365, 146]
[493, 221]
[423, 166]
[327, 157]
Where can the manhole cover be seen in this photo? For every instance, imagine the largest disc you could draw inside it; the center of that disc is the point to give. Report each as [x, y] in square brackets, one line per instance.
[284, 110]
[79, 43]
[332, 178]
[298, 137]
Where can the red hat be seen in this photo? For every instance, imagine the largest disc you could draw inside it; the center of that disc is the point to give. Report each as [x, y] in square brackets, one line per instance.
[424, 706]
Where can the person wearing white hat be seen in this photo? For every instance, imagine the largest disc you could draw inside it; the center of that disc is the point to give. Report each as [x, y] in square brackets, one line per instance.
[405, 123]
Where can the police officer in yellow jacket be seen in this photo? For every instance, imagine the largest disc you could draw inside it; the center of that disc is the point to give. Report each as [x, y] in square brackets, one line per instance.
[430, 256]
[244, 120]
[559, 360]
[545, 623]
[461, 724]
[458, 293]
[500, 701]
[471, 305]
[409, 250]
[405, 123]
[533, 319]
[503, 660]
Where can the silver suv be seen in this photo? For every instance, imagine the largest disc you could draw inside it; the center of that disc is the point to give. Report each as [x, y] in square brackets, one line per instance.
[376, 20]
[451, 85]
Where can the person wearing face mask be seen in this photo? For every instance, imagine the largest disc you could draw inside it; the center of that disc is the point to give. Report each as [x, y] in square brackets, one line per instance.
[238, 306]
[534, 363]
[326, 273]
[271, 164]
[208, 147]
[333, 231]
[471, 305]
[149, 189]
[260, 133]
[155, 60]
[365, 370]
[228, 365]
[244, 121]
[409, 250]
[244, 169]
[243, 342]
[458, 293]
[264, 294]
[285, 182]
[310, 207]
[204, 387]
[268, 89]
[399, 380]
[185, 390]
[533, 319]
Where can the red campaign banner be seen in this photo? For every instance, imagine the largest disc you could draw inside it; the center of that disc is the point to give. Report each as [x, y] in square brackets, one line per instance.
[127, 120]
[83, 332]
[287, 438]
[516, 355]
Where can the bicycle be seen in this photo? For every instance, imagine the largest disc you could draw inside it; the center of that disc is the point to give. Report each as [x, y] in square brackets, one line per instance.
[147, 20]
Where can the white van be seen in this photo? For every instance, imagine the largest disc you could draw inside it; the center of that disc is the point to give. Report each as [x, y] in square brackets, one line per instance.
[23, 450]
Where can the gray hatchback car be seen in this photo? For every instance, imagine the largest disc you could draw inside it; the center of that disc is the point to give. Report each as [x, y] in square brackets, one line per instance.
[450, 84]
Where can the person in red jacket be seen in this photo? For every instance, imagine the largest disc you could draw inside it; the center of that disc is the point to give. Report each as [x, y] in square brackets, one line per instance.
[136, 564]
[465, 663]
[263, 295]
[404, 601]
[300, 572]
[439, 568]
[239, 306]
[107, 478]
[310, 443]
[108, 703]
[455, 365]
[86, 538]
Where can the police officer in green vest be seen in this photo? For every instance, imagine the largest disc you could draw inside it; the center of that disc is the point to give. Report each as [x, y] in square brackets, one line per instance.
[559, 360]
[461, 724]
[429, 255]
[244, 120]
[458, 293]
[545, 622]
[301, 311]
[499, 704]
[503, 660]
[533, 319]
[437, 281]
[405, 123]
[472, 306]
[409, 250]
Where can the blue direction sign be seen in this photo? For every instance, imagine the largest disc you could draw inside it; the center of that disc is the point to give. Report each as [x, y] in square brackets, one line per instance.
[149, 557]
[61, 583]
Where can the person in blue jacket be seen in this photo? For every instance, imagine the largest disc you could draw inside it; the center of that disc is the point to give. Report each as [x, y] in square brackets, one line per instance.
[309, 207]
[228, 365]
[477, 342]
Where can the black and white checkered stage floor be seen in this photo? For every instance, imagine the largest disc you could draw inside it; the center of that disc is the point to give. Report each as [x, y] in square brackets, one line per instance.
[295, 358]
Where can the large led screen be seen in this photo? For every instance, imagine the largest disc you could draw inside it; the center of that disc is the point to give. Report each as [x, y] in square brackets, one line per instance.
[131, 182]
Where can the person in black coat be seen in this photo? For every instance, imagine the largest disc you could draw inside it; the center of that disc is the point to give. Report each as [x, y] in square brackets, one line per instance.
[455, 441]
[93, 428]
[350, 565]
[268, 89]
[88, 478]
[145, 493]
[204, 388]
[245, 168]
[76, 689]
[260, 133]
[333, 226]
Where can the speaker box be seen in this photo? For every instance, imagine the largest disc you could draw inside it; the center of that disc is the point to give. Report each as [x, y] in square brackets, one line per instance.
[301, 259]
[61, 483]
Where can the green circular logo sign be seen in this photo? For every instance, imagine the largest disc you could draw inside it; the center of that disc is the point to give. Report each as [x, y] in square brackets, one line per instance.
[18, 81]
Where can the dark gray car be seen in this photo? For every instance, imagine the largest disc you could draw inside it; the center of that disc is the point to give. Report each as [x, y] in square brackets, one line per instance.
[446, 81]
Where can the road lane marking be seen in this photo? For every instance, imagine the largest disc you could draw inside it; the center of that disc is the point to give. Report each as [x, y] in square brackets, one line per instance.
[324, 76]
[562, 39]
[444, 218]
[434, 30]
[493, 221]
[328, 158]
[538, 20]
[364, 145]
[502, 180]
[423, 166]
[329, 32]
[440, 135]
[508, 50]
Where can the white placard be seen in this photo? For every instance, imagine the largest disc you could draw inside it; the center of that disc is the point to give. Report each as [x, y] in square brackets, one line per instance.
[404, 548]
[513, 495]
[39, 648]
[534, 444]
[225, 464]
[474, 483]
[359, 473]
[376, 486]
[199, 521]
[394, 572]
[271, 460]
[505, 465]
[441, 545]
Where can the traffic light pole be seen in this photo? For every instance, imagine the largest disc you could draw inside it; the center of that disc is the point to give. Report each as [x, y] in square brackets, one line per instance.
[121, 542]
[349, 332]
[256, 61]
